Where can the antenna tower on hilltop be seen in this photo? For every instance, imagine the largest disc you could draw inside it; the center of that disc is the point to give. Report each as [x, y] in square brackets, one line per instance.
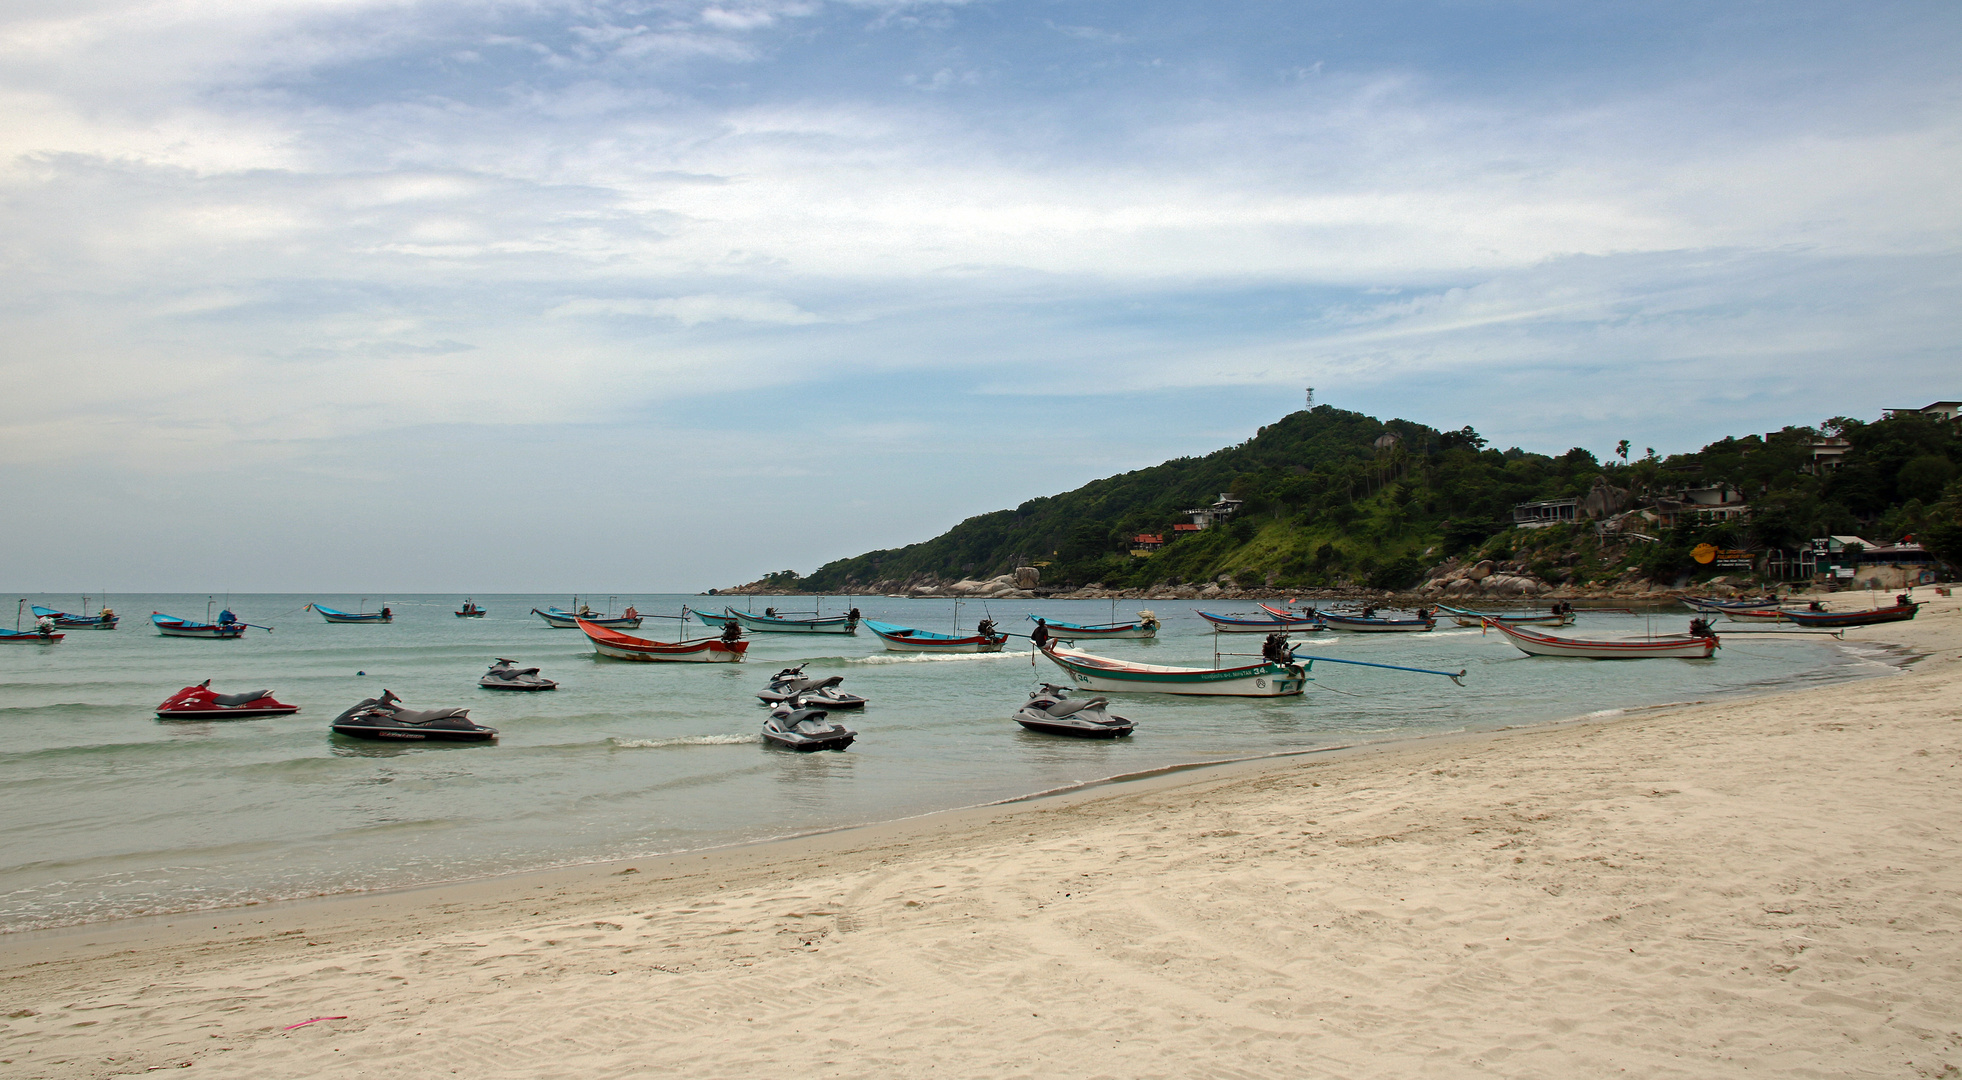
[1311, 397]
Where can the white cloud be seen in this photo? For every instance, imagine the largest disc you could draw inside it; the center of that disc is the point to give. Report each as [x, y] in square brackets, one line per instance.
[693, 310]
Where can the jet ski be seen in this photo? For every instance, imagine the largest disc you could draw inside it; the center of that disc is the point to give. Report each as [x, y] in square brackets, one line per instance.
[507, 675]
[823, 693]
[797, 726]
[200, 702]
[385, 718]
[1051, 710]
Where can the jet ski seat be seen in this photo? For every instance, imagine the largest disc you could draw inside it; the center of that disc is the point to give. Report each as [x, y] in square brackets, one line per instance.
[429, 716]
[1065, 708]
[239, 699]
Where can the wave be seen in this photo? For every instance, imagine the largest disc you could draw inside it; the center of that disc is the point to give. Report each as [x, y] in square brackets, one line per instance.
[683, 740]
[933, 658]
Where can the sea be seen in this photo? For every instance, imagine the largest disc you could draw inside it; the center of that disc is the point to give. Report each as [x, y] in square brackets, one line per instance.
[111, 812]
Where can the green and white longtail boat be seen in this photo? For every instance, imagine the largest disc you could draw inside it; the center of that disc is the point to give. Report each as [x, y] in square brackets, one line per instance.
[1101, 673]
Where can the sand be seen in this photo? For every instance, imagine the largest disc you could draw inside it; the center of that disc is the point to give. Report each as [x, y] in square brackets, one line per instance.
[1751, 887]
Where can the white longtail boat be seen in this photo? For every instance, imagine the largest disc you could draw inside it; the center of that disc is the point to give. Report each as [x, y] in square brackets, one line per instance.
[1101, 673]
[621, 646]
[908, 639]
[1145, 627]
[1464, 617]
[1680, 646]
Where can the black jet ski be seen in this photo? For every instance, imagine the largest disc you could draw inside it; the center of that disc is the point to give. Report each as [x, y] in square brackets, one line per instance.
[507, 675]
[797, 726]
[385, 718]
[823, 693]
[1050, 710]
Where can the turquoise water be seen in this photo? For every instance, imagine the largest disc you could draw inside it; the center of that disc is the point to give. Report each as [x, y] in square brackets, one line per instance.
[111, 812]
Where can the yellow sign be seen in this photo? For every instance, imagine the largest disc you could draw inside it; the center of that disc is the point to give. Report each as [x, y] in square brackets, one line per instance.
[1703, 553]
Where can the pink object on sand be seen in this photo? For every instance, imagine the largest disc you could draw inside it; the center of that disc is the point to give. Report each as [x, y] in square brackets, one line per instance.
[315, 1020]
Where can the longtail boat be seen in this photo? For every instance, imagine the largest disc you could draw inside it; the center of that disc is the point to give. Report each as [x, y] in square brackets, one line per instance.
[1837, 619]
[609, 642]
[778, 624]
[334, 615]
[1145, 627]
[561, 619]
[1766, 614]
[1103, 674]
[1262, 624]
[1464, 617]
[470, 610]
[171, 626]
[1682, 646]
[26, 636]
[1719, 607]
[908, 639]
[107, 620]
[1369, 624]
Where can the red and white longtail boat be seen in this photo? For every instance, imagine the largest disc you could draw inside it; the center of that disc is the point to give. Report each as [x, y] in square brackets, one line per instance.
[1690, 646]
[627, 647]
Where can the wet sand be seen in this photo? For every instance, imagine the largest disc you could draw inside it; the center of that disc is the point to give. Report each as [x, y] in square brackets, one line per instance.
[1769, 886]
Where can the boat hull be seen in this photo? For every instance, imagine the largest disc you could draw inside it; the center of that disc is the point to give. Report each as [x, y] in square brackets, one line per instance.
[1834, 620]
[385, 732]
[768, 624]
[173, 627]
[1075, 731]
[612, 643]
[221, 713]
[63, 620]
[1227, 624]
[333, 616]
[565, 620]
[907, 639]
[1478, 618]
[1108, 632]
[28, 635]
[1678, 647]
[1357, 625]
[1105, 675]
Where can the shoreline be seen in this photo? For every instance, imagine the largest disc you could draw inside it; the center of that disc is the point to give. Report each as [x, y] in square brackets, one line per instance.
[811, 913]
[1895, 664]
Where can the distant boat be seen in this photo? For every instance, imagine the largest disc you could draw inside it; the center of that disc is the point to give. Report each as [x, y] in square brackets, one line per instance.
[1368, 623]
[1103, 674]
[470, 610]
[1464, 617]
[1262, 624]
[1679, 646]
[561, 619]
[333, 616]
[1146, 626]
[107, 620]
[29, 635]
[172, 626]
[715, 650]
[908, 639]
[1900, 612]
[772, 623]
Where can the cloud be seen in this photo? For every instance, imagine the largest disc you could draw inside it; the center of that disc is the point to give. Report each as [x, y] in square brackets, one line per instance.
[693, 310]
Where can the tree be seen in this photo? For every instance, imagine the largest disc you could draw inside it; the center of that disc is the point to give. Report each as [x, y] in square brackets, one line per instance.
[1621, 449]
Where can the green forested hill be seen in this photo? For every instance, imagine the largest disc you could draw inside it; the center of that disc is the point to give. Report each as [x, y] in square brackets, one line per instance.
[1329, 501]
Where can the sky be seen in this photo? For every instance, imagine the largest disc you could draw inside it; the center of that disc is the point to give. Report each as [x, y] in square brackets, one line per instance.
[621, 296]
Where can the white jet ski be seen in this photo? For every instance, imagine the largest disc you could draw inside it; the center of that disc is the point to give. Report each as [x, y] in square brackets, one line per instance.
[823, 693]
[1051, 711]
[507, 675]
[796, 726]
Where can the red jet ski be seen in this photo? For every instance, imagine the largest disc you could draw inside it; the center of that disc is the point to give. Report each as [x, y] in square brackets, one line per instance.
[201, 703]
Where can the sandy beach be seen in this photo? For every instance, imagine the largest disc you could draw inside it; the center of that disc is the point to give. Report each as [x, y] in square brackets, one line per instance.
[1769, 886]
